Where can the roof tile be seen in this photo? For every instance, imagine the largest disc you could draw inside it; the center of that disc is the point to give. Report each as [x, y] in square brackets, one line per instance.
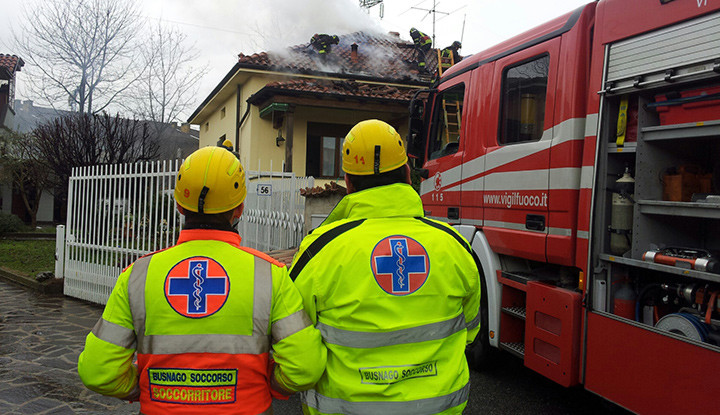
[12, 63]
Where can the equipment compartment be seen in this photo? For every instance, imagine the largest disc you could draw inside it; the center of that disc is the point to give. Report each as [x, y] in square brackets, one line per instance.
[666, 277]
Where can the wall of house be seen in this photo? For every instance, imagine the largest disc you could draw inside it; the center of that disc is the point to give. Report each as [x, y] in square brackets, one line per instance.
[257, 135]
[216, 125]
[47, 205]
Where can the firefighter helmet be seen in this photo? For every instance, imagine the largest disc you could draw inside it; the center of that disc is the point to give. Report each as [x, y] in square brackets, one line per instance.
[373, 147]
[456, 45]
[211, 180]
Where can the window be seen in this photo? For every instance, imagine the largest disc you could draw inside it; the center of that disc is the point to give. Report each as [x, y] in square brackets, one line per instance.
[221, 140]
[207, 126]
[324, 150]
[222, 113]
[445, 136]
[524, 88]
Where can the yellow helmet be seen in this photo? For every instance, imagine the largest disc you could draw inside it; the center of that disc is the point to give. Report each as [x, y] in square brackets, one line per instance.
[373, 147]
[211, 180]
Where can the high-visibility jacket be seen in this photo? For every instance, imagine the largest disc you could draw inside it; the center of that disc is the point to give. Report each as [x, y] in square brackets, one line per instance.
[202, 316]
[420, 39]
[396, 298]
[448, 57]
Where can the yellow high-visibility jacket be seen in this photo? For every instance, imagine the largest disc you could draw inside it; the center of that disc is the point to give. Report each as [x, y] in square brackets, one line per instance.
[202, 316]
[396, 298]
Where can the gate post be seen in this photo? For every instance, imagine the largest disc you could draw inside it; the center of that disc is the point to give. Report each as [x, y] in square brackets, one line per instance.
[60, 251]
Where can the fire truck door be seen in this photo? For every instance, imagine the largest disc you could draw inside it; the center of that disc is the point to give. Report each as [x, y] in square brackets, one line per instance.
[517, 161]
[440, 193]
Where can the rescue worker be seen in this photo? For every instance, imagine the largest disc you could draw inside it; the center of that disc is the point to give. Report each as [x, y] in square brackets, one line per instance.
[450, 55]
[203, 314]
[423, 44]
[394, 294]
[323, 42]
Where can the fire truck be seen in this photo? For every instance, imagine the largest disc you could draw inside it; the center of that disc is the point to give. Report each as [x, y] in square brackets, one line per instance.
[581, 160]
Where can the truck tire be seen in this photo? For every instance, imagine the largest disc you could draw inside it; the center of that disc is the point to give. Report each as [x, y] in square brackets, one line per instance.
[478, 352]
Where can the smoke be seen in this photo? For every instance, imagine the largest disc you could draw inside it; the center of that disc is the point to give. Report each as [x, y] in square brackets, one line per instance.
[281, 23]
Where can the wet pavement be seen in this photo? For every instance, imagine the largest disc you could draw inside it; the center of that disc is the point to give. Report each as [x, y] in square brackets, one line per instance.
[42, 336]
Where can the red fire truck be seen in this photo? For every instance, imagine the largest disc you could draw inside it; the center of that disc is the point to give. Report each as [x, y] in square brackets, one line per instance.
[581, 159]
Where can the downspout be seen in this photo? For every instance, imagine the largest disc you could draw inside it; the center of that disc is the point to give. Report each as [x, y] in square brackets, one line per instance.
[239, 125]
[237, 117]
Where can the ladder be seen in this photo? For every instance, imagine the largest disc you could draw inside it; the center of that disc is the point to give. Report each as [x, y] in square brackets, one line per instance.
[451, 110]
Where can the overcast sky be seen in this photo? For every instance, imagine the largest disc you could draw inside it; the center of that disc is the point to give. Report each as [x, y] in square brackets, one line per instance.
[221, 29]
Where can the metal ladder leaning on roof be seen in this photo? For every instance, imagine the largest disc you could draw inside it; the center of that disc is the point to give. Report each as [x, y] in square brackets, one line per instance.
[451, 111]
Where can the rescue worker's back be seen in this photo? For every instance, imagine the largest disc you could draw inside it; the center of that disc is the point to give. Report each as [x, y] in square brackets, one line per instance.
[395, 295]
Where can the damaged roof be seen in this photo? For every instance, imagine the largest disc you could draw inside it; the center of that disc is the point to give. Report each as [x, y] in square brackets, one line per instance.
[381, 57]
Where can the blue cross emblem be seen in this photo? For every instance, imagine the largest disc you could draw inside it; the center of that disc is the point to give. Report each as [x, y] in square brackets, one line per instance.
[197, 286]
[400, 265]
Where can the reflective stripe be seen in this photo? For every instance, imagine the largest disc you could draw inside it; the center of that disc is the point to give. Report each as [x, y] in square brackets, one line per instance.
[262, 297]
[204, 343]
[474, 323]
[136, 297]
[114, 333]
[434, 405]
[290, 325]
[367, 340]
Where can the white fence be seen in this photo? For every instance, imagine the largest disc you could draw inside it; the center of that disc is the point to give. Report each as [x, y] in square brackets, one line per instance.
[118, 213]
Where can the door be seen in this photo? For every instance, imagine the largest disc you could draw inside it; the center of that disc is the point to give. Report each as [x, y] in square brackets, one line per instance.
[517, 162]
[445, 149]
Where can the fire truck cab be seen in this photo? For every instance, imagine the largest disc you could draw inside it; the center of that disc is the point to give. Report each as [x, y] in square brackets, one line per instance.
[581, 159]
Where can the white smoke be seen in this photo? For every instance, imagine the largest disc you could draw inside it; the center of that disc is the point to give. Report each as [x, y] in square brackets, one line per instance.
[283, 23]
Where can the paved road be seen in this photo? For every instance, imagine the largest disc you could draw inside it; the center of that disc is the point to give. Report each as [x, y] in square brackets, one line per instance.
[42, 336]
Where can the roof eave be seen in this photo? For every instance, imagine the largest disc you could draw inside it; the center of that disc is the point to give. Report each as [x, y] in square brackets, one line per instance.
[268, 92]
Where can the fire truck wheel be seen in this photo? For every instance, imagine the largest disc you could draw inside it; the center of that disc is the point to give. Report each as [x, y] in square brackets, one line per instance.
[478, 352]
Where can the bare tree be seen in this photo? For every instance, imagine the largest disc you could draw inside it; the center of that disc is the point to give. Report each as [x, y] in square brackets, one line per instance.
[84, 50]
[168, 86]
[82, 139]
[24, 169]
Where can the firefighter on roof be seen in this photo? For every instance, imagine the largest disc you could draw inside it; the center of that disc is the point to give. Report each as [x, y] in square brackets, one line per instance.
[450, 55]
[323, 42]
[395, 295]
[203, 314]
[422, 43]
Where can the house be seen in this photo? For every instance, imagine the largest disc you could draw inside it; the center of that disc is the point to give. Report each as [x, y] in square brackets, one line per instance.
[293, 108]
[9, 66]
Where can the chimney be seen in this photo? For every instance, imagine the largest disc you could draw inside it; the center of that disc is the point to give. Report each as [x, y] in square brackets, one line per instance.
[185, 128]
[354, 52]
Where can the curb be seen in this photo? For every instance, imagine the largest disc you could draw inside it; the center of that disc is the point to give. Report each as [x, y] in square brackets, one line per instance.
[52, 287]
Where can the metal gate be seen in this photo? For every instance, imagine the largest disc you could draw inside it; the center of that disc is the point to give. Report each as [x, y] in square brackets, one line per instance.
[117, 213]
[274, 211]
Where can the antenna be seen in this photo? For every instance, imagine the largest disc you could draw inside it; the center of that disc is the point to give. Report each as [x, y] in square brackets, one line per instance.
[368, 4]
[434, 12]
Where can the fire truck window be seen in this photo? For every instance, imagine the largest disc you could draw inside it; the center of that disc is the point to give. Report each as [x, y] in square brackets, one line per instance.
[524, 89]
[445, 137]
